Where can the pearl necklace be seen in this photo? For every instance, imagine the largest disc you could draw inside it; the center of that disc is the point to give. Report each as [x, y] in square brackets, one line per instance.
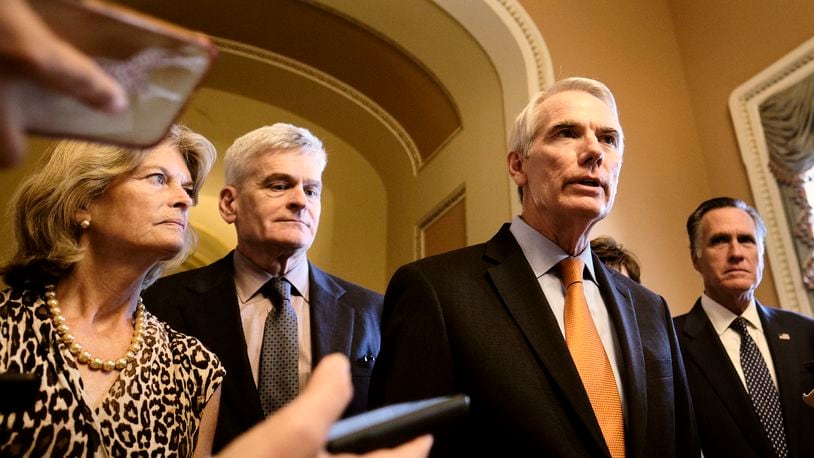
[84, 357]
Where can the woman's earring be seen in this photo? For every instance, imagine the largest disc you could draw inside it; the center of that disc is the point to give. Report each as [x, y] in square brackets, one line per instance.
[84, 224]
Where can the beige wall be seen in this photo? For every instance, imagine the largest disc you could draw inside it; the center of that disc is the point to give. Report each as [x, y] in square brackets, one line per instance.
[672, 65]
[722, 47]
[9, 179]
[447, 232]
[474, 157]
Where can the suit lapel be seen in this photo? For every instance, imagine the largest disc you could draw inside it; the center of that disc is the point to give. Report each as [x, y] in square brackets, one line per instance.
[703, 345]
[517, 287]
[786, 367]
[216, 319]
[632, 366]
[331, 320]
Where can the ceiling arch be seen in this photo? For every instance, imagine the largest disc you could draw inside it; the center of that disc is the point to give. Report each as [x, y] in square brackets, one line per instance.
[336, 42]
[276, 80]
[304, 35]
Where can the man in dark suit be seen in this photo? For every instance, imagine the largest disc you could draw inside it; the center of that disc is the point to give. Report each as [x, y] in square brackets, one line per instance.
[272, 196]
[736, 417]
[495, 322]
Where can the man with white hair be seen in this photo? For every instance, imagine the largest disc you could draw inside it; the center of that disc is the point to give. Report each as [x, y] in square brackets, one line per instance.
[267, 312]
[560, 355]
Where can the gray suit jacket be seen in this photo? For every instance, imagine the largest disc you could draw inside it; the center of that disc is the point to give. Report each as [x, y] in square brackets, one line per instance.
[203, 303]
[727, 422]
[475, 321]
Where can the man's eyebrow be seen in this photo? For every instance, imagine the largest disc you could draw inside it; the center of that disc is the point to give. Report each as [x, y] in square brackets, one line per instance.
[554, 128]
[609, 131]
[563, 125]
[274, 177]
[719, 237]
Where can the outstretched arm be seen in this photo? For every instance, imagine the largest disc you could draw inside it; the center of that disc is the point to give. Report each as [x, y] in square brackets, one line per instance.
[300, 429]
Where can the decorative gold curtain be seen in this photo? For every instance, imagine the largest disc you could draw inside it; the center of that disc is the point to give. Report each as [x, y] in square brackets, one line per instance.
[788, 124]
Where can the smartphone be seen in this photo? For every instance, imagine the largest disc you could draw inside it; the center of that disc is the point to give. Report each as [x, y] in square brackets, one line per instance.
[17, 391]
[158, 64]
[392, 425]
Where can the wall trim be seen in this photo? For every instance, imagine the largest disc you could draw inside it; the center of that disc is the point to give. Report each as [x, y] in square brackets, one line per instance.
[456, 196]
[744, 106]
[306, 71]
[517, 49]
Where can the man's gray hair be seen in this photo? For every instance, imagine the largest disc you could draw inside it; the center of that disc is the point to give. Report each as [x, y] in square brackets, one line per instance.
[527, 122]
[267, 139]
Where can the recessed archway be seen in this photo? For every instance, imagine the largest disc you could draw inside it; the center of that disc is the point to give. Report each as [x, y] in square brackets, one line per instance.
[484, 59]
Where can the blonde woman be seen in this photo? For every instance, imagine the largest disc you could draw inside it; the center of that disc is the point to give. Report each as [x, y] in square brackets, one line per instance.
[93, 226]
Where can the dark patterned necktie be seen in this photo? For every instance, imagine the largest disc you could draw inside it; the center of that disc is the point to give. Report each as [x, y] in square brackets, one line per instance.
[278, 381]
[761, 389]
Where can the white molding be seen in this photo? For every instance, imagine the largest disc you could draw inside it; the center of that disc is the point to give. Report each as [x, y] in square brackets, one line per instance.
[539, 69]
[515, 46]
[377, 112]
[744, 106]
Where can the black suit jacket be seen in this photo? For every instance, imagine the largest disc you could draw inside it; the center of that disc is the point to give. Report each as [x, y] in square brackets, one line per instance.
[203, 303]
[727, 422]
[476, 321]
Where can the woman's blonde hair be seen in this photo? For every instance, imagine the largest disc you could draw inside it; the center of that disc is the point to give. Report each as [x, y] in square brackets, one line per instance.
[69, 177]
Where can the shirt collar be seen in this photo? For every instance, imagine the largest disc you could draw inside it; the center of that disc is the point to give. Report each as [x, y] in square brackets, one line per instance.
[721, 317]
[541, 253]
[249, 277]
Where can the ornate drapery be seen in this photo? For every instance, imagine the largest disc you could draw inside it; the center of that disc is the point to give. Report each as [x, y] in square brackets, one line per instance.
[788, 124]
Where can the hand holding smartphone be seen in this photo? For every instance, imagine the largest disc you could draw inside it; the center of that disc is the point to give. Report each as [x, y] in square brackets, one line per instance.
[392, 425]
[159, 66]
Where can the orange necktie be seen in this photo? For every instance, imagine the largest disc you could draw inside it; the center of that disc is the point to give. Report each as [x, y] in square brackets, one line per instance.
[590, 358]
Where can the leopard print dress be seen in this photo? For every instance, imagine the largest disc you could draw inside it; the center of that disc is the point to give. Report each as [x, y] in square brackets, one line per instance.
[153, 408]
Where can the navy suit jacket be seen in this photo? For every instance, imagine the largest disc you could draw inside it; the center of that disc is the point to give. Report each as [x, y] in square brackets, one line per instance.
[203, 303]
[476, 321]
[727, 422]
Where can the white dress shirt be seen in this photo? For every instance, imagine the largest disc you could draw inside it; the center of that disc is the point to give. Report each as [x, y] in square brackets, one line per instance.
[543, 256]
[255, 307]
[721, 318]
